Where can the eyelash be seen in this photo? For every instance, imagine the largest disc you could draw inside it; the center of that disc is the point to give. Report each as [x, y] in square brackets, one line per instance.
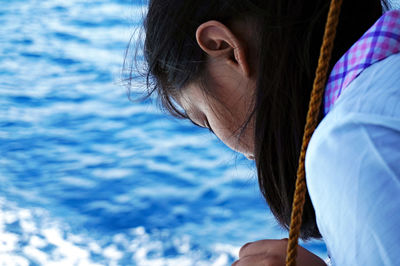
[208, 126]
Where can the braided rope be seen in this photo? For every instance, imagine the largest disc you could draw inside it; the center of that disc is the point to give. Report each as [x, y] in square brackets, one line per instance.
[311, 123]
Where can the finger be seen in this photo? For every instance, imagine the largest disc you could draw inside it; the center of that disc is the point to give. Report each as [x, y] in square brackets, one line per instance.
[260, 260]
[267, 246]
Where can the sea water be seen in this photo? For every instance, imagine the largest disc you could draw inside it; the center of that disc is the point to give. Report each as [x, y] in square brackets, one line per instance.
[88, 177]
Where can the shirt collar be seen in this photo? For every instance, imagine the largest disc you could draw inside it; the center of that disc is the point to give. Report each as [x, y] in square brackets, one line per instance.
[379, 42]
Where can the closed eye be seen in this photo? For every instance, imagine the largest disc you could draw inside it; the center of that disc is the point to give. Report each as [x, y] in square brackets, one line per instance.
[194, 123]
[207, 125]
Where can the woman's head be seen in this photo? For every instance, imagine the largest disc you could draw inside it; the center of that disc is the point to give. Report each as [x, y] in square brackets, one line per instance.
[211, 74]
[224, 100]
[244, 69]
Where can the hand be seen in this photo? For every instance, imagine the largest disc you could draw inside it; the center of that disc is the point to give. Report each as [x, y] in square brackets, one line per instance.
[273, 253]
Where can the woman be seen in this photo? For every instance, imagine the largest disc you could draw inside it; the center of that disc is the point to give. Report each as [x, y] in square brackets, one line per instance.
[244, 70]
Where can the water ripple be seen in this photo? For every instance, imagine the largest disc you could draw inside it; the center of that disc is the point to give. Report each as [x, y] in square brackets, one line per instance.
[88, 177]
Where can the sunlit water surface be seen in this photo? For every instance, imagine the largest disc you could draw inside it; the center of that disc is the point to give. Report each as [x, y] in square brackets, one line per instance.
[88, 177]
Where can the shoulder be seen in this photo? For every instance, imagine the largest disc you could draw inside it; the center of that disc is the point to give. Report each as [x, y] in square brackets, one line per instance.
[370, 104]
[352, 158]
[372, 100]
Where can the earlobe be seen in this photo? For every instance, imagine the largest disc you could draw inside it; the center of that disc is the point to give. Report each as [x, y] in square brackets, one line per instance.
[218, 41]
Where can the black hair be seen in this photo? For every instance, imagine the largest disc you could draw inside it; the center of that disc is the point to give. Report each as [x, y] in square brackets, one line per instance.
[290, 34]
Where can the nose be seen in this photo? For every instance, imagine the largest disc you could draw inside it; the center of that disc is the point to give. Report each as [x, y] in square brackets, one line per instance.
[250, 157]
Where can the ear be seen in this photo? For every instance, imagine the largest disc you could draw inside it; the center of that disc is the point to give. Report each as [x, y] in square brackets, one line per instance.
[218, 41]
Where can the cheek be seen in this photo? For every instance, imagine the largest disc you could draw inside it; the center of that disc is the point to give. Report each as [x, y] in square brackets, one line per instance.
[229, 133]
[227, 118]
[229, 140]
[223, 130]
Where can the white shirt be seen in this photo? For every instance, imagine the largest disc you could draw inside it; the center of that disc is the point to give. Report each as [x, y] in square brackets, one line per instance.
[353, 170]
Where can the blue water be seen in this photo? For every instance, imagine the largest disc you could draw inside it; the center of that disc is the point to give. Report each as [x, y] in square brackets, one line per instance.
[88, 177]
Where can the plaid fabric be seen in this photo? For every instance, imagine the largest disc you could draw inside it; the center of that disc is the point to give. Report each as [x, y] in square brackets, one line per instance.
[379, 42]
